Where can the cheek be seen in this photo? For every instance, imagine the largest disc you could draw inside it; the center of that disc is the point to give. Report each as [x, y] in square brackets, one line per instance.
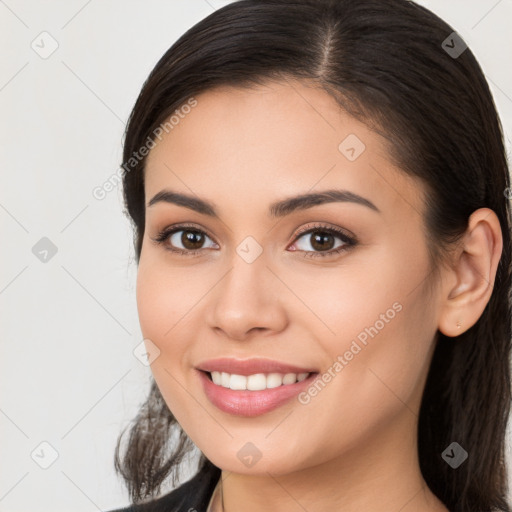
[166, 299]
[378, 294]
[160, 309]
[364, 386]
[154, 303]
[162, 319]
[377, 327]
[351, 297]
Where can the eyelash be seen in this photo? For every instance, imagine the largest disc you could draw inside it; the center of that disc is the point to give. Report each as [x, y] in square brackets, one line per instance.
[348, 241]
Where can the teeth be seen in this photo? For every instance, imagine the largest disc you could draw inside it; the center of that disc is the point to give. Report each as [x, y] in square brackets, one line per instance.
[290, 378]
[274, 380]
[256, 382]
[237, 382]
[224, 379]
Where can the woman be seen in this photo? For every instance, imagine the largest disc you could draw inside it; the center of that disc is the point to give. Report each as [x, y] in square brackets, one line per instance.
[319, 195]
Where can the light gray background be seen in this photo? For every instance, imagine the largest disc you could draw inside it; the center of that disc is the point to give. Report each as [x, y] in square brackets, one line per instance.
[69, 325]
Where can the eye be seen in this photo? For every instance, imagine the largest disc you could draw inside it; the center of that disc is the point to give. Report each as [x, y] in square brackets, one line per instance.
[190, 238]
[320, 240]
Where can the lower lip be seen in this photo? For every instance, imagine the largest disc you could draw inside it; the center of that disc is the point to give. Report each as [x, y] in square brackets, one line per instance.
[251, 403]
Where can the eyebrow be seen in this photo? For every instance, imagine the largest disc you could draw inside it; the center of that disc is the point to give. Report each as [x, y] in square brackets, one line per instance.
[277, 209]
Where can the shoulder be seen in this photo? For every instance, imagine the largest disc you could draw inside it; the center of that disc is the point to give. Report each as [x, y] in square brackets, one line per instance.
[191, 496]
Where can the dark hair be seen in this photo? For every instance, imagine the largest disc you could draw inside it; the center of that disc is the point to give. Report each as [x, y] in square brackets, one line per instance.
[385, 63]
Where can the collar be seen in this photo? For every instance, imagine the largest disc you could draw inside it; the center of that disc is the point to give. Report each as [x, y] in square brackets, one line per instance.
[215, 504]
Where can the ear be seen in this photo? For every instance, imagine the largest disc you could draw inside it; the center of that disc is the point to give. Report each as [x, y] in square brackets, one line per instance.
[470, 280]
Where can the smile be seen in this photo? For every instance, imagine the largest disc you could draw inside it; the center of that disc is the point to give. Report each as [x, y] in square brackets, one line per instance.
[257, 381]
[272, 391]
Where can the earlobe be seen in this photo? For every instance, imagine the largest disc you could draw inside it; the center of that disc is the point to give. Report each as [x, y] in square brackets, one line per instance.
[473, 272]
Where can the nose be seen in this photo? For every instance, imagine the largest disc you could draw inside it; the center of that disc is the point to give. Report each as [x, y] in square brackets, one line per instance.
[245, 302]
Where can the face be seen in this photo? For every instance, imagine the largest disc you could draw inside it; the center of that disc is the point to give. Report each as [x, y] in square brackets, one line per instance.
[336, 289]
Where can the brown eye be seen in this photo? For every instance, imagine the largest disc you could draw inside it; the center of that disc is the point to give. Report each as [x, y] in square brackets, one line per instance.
[191, 239]
[187, 239]
[183, 239]
[321, 241]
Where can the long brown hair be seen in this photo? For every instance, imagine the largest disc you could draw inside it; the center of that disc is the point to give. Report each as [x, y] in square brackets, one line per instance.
[387, 64]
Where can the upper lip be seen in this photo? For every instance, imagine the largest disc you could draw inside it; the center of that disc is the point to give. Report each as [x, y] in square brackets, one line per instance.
[250, 366]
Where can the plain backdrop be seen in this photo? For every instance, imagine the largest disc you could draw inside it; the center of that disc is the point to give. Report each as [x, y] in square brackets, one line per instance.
[70, 73]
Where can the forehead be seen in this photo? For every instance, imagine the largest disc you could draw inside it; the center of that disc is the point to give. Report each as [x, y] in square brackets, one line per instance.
[248, 146]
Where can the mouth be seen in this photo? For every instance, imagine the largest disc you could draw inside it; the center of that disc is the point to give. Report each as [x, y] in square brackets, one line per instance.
[256, 381]
[254, 394]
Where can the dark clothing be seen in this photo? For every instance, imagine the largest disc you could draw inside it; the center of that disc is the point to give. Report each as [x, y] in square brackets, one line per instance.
[191, 496]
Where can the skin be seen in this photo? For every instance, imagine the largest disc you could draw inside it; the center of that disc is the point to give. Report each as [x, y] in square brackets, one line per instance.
[353, 447]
